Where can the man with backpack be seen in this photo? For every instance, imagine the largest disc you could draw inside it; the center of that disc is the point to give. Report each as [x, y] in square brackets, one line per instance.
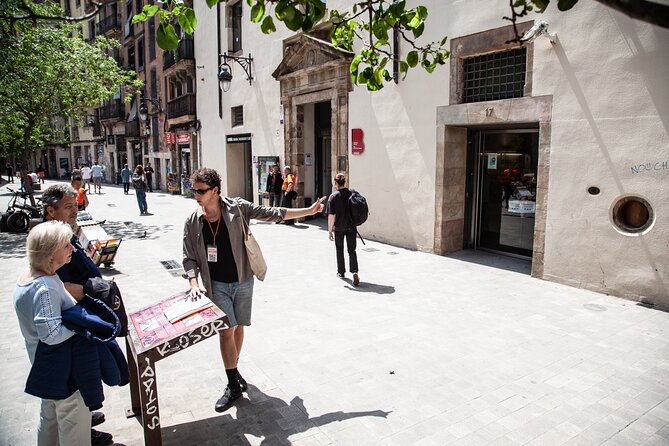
[346, 210]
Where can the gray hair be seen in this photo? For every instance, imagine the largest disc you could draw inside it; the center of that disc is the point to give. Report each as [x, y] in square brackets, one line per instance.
[43, 241]
[52, 196]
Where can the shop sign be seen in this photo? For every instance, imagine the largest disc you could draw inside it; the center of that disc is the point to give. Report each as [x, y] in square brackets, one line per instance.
[246, 137]
[358, 143]
[522, 206]
[183, 138]
[110, 140]
[170, 138]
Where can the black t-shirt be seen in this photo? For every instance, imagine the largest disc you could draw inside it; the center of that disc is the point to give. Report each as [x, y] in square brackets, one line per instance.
[225, 269]
[338, 205]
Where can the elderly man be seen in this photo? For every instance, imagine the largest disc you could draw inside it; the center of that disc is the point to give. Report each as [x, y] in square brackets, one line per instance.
[60, 204]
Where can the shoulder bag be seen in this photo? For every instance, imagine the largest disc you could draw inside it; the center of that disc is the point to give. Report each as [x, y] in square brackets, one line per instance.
[257, 261]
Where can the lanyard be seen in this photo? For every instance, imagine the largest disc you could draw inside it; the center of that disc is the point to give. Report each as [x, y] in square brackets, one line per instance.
[218, 223]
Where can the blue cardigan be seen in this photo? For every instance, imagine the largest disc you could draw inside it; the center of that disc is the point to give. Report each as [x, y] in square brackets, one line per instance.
[82, 362]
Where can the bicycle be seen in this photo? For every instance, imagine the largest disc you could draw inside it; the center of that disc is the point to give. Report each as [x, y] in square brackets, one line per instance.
[19, 212]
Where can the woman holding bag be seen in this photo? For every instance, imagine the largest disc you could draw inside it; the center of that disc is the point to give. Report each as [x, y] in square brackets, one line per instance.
[215, 248]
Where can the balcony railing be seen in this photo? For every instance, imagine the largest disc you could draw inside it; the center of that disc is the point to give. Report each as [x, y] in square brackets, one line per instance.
[186, 50]
[113, 110]
[181, 106]
[89, 6]
[132, 129]
[109, 24]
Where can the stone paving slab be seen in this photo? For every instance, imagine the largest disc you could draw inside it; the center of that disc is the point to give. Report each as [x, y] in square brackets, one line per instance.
[429, 350]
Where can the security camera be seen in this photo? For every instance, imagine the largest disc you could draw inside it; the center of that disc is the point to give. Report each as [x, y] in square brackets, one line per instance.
[539, 28]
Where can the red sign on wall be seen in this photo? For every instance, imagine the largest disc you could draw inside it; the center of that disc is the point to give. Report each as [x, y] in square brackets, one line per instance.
[183, 138]
[170, 138]
[358, 143]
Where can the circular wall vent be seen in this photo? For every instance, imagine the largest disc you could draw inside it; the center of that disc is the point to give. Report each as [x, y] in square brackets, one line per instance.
[632, 215]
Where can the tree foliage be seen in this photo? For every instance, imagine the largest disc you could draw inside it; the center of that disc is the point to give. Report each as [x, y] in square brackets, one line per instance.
[47, 73]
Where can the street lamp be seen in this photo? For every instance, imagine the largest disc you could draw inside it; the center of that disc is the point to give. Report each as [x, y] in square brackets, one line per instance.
[149, 107]
[225, 72]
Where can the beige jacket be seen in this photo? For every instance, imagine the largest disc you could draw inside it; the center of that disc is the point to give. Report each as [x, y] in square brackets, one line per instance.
[194, 252]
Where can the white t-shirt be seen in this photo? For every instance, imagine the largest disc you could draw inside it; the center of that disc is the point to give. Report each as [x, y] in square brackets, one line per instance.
[96, 170]
[86, 173]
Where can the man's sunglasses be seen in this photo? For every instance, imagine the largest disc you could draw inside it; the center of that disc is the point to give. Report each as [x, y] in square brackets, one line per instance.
[201, 191]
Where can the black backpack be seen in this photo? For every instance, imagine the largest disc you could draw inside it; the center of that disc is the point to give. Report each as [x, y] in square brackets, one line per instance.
[357, 205]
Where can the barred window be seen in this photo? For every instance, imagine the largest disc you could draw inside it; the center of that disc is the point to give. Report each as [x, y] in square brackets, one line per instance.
[237, 115]
[495, 76]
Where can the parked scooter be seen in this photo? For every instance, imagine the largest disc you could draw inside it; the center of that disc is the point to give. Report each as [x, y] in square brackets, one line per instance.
[19, 212]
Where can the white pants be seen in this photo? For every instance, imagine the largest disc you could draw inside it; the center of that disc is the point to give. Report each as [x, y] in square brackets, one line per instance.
[64, 422]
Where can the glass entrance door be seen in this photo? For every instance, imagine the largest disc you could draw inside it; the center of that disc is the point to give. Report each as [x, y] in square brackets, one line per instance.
[506, 190]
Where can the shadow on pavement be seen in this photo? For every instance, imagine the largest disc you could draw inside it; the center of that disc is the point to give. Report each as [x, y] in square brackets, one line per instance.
[133, 230]
[523, 266]
[366, 287]
[258, 415]
[12, 245]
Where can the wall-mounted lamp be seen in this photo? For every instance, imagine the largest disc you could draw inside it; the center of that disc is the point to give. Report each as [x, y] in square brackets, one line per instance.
[225, 72]
[149, 107]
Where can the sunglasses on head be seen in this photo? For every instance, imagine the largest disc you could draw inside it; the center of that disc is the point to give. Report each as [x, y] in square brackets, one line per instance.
[201, 191]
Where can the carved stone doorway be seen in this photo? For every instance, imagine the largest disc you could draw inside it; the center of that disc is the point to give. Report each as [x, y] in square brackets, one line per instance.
[313, 71]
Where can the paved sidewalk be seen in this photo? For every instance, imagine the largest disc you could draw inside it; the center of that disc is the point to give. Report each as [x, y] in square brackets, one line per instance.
[429, 350]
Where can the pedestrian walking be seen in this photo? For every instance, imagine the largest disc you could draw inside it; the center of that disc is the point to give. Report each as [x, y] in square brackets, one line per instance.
[9, 170]
[27, 181]
[288, 190]
[275, 186]
[86, 177]
[214, 249]
[125, 178]
[41, 173]
[340, 227]
[96, 174]
[139, 184]
[59, 204]
[39, 300]
[148, 173]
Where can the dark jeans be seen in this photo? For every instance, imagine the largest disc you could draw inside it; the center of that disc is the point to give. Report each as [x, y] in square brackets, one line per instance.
[126, 187]
[275, 199]
[350, 235]
[287, 202]
[149, 182]
[141, 200]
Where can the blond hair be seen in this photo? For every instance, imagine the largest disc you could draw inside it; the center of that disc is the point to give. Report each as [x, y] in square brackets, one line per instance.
[43, 241]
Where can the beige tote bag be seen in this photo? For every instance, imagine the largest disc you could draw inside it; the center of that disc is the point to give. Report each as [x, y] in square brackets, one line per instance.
[257, 261]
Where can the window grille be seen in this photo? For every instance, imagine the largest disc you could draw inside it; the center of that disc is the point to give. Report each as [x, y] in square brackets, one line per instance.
[495, 76]
[237, 115]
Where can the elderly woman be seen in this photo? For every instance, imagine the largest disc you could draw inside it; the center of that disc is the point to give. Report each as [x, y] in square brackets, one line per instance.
[39, 300]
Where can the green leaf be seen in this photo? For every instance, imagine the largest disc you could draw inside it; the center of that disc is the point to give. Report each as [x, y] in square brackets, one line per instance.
[412, 58]
[354, 65]
[541, 4]
[151, 10]
[267, 25]
[418, 31]
[212, 3]
[565, 5]
[422, 12]
[139, 18]
[188, 21]
[257, 12]
[380, 30]
[166, 37]
[443, 41]
[294, 18]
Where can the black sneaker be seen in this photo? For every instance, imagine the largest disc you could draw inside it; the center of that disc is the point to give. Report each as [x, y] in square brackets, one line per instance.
[225, 402]
[242, 382]
[97, 418]
[340, 275]
[101, 438]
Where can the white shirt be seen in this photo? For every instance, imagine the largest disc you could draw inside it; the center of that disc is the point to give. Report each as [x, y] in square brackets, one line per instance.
[96, 170]
[86, 173]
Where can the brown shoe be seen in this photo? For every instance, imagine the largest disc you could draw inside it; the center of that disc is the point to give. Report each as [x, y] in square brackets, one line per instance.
[356, 279]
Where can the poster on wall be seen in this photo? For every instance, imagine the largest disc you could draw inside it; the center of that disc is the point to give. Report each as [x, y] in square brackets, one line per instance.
[492, 160]
[265, 164]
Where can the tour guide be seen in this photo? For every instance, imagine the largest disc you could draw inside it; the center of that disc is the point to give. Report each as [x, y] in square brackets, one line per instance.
[213, 247]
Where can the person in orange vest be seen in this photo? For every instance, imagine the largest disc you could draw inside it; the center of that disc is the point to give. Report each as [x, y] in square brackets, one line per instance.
[288, 188]
[82, 198]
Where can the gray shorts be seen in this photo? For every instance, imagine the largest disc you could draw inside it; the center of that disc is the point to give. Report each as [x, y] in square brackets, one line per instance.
[235, 300]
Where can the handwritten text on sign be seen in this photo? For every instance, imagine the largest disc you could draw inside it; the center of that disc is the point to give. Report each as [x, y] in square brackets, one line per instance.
[650, 167]
[192, 337]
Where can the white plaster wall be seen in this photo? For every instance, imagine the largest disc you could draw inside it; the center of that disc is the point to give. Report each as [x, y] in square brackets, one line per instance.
[607, 75]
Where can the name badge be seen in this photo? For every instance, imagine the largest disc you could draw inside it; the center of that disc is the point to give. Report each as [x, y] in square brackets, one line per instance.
[212, 253]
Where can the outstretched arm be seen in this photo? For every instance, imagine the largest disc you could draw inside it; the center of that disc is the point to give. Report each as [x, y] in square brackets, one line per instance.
[303, 212]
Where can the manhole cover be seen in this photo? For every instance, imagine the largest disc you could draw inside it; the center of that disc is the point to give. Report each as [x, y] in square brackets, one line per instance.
[111, 205]
[594, 307]
[393, 253]
[370, 249]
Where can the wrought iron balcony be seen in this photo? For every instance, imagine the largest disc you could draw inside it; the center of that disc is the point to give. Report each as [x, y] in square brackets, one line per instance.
[181, 106]
[185, 51]
[109, 25]
[112, 110]
[132, 129]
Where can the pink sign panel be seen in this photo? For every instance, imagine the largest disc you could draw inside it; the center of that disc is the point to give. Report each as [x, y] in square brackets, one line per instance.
[358, 143]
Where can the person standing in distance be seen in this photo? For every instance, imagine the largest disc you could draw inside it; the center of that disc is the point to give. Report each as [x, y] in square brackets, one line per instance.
[148, 173]
[340, 227]
[274, 186]
[86, 177]
[125, 178]
[288, 188]
[96, 173]
[213, 249]
[139, 183]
